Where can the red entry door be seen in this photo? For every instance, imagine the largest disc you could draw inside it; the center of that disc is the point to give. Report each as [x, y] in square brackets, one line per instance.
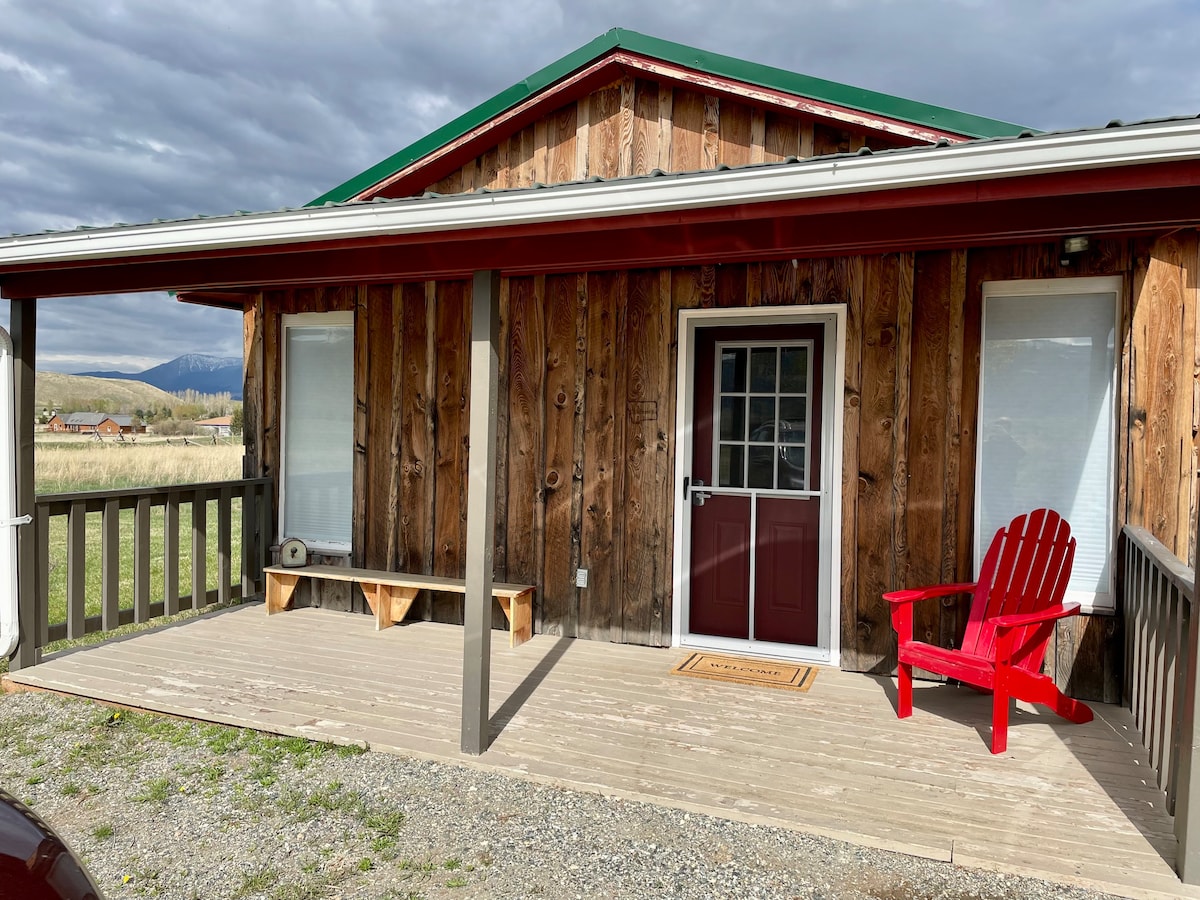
[754, 489]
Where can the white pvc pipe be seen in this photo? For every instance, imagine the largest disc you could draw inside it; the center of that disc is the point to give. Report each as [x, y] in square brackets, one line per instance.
[9, 632]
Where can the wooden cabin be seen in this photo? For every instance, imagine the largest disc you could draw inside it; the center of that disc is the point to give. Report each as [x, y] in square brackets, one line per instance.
[94, 423]
[769, 347]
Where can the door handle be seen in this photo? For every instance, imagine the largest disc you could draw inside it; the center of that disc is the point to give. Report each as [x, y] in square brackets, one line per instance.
[689, 490]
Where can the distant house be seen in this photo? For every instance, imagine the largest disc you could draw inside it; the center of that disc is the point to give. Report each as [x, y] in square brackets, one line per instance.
[95, 423]
[221, 426]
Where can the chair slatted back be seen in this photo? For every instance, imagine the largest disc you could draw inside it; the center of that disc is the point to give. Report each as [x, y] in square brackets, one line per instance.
[1026, 569]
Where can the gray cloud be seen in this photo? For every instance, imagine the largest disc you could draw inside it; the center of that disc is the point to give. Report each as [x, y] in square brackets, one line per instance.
[142, 109]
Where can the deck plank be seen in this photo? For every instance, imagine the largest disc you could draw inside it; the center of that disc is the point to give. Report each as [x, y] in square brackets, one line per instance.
[1062, 803]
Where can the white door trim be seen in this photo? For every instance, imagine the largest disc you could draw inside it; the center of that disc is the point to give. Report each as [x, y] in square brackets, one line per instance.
[833, 317]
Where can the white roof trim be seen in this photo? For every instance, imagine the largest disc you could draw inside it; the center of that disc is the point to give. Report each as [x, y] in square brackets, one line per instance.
[1043, 154]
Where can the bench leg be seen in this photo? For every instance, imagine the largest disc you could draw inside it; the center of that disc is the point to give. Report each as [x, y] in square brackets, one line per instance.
[519, 612]
[390, 604]
[280, 589]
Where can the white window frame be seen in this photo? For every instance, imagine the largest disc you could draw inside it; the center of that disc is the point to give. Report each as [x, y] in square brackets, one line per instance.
[1090, 602]
[338, 319]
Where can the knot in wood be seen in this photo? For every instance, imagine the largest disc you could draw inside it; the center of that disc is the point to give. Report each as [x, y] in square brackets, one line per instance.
[560, 399]
[854, 401]
[885, 424]
[552, 478]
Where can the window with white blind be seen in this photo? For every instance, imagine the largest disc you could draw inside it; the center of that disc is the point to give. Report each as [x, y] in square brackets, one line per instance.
[318, 429]
[1047, 428]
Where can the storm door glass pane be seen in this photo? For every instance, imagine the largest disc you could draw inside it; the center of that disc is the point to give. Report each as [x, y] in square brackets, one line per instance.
[792, 420]
[793, 370]
[731, 473]
[733, 370]
[762, 468]
[791, 469]
[733, 418]
[762, 370]
[762, 419]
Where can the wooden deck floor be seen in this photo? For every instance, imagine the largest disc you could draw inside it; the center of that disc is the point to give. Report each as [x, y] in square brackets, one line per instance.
[1067, 802]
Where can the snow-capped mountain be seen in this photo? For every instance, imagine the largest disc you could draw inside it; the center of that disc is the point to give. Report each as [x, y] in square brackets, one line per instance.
[194, 371]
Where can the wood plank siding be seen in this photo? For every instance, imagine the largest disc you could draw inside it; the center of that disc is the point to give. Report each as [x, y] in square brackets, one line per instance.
[587, 412]
[634, 125]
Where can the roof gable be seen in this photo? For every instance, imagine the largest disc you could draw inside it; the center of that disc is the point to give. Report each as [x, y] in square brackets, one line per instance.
[621, 50]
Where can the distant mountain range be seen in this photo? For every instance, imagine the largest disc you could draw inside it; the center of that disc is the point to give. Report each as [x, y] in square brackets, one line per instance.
[192, 371]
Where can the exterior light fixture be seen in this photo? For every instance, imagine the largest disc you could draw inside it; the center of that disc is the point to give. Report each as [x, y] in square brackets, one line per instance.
[1073, 246]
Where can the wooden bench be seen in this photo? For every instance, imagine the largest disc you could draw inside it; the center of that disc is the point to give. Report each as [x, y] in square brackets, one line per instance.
[390, 594]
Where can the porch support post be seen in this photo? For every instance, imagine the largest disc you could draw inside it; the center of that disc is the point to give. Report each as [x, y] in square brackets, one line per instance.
[1187, 787]
[23, 321]
[481, 510]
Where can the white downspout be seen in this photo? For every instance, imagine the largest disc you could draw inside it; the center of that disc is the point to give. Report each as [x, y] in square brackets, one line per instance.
[9, 632]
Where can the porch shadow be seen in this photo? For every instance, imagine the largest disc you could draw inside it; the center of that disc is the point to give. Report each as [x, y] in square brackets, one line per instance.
[513, 703]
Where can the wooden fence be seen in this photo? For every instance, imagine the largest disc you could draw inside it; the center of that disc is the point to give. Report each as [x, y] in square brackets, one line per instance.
[135, 567]
[1162, 638]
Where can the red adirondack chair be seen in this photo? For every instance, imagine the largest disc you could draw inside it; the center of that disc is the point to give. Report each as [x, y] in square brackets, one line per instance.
[1016, 601]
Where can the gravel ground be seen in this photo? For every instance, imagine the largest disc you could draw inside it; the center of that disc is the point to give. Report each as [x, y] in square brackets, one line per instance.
[166, 808]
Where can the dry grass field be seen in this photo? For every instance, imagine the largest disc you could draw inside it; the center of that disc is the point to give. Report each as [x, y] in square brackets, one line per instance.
[64, 465]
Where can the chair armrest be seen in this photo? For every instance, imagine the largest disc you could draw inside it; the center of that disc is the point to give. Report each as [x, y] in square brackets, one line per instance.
[911, 595]
[902, 605]
[1048, 614]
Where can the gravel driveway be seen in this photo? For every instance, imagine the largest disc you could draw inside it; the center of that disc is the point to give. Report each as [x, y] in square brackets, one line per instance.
[165, 808]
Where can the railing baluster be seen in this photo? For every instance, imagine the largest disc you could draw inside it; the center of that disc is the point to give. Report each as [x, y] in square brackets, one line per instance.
[110, 565]
[171, 554]
[1139, 711]
[224, 545]
[249, 539]
[1154, 697]
[199, 548]
[1178, 693]
[265, 498]
[141, 560]
[1164, 683]
[76, 569]
[42, 579]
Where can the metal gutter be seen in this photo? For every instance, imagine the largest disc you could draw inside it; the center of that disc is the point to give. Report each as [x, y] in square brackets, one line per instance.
[644, 195]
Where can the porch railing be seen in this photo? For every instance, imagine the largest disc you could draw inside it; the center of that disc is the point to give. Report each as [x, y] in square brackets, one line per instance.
[1162, 640]
[109, 558]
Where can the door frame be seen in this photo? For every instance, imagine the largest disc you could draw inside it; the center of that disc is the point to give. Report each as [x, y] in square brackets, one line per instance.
[833, 317]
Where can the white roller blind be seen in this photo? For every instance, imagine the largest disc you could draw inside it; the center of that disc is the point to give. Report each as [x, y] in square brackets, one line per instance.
[1046, 423]
[318, 418]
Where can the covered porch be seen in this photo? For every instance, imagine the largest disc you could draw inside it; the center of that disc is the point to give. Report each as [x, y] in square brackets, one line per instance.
[1075, 804]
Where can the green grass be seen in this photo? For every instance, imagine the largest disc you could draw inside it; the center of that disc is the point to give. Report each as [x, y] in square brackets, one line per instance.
[156, 791]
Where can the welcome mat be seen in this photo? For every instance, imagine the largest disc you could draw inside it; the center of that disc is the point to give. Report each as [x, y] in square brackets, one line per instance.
[741, 670]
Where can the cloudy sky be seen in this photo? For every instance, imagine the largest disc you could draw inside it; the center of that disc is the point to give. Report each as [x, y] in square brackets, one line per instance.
[129, 111]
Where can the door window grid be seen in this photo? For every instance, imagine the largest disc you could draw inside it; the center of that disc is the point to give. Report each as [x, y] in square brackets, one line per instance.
[763, 415]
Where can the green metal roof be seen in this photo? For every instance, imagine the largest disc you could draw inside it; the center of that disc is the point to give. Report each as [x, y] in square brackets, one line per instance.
[711, 63]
